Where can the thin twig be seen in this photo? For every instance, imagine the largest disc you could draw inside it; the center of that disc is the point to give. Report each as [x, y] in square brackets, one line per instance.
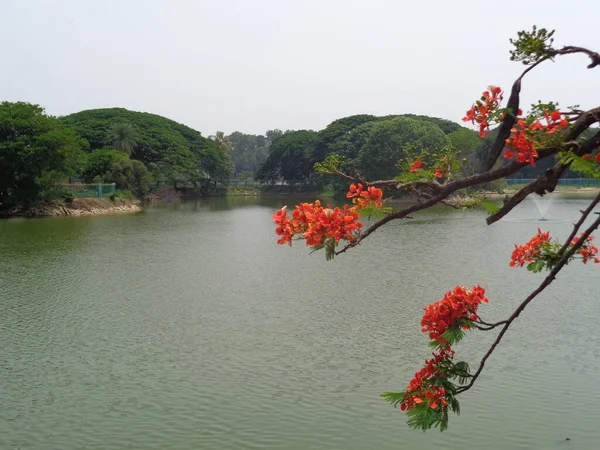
[577, 226]
[547, 281]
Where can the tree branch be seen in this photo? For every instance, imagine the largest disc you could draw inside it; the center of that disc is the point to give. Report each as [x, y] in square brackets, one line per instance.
[513, 102]
[547, 281]
[545, 183]
[444, 191]
[570, 49]
[577, 226]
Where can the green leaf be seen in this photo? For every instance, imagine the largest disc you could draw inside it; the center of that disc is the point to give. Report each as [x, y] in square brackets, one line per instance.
[490, 207]
[330, 165]
[372, 211]
[536, 266]
[393, 397]
[330, 245]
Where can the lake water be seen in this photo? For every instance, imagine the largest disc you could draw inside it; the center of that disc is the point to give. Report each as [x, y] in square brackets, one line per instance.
[187, 327]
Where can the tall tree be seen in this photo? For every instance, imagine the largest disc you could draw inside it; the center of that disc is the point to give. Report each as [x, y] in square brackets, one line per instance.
[222, 142]
[123, 137]
[290, 158]
[36, 152]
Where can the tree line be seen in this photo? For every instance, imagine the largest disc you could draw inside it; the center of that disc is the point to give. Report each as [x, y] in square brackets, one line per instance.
[135, 150]
[140, 151]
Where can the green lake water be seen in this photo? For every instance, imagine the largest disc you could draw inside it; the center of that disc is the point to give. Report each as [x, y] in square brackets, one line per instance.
[187, 327]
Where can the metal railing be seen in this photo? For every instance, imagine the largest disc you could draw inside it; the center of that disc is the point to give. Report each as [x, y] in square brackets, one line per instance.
[583, 182]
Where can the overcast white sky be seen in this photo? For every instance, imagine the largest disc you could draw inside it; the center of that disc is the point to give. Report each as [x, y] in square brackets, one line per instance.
[256, 65]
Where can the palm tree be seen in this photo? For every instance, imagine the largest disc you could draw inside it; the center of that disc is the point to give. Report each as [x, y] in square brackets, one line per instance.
[123, 137]
[222, 142]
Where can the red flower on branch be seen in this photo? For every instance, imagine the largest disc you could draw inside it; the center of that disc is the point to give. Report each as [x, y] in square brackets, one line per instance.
[587, 250]
[482, 110]
[354, 190]
[522, 140]
[457, 308]
[531, 251]
[315, 223]
[373, 195]
[416, 166]
[421, 388]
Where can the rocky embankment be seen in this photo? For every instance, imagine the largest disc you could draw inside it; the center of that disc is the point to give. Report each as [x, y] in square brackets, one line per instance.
[79, 207]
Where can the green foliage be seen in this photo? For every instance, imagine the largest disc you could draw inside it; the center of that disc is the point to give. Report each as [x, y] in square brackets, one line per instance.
[395, 398]
[445, 160]
[336, 130]
[422, 417]
[465, 141]
[490, 207]
[290, 158]
[355, 140]
[113, 166]
[453, 335]
[329, 245]
[447, 126]
[375, 212]
[123, 195]
[330, 165]
[172, 151]
[123, 137]
[37, 151]
[222, 142]
[388, 142]
[532, 46]
[546, 259]
[249, 152]
[581, 165]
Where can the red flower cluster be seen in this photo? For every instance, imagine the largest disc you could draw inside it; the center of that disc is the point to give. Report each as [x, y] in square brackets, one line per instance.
[481, 111]
[589, 157]
[457, 308]
[522, 139]
[531, 251]
[362, 198]
[587, 250]
[441, 169]
[416, 166]
[539, 247]
[316, 223]
[421, 388]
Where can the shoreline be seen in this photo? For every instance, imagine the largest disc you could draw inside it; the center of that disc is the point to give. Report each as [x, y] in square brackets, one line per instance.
[105, 206]
[77, 207]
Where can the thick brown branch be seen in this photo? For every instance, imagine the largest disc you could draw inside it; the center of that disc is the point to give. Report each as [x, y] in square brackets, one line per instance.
[505, 126]
[547, 182]
[444, 191]
[547, 281]
[513, 102]
[570, 49]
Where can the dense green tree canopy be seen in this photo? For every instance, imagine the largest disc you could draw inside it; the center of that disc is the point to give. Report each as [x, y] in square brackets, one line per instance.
[114, 166]
[290, 157]
[123, 137]
[249, 151]
[170, 149]
[388, 141]
[373, 145]
[36, 152]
